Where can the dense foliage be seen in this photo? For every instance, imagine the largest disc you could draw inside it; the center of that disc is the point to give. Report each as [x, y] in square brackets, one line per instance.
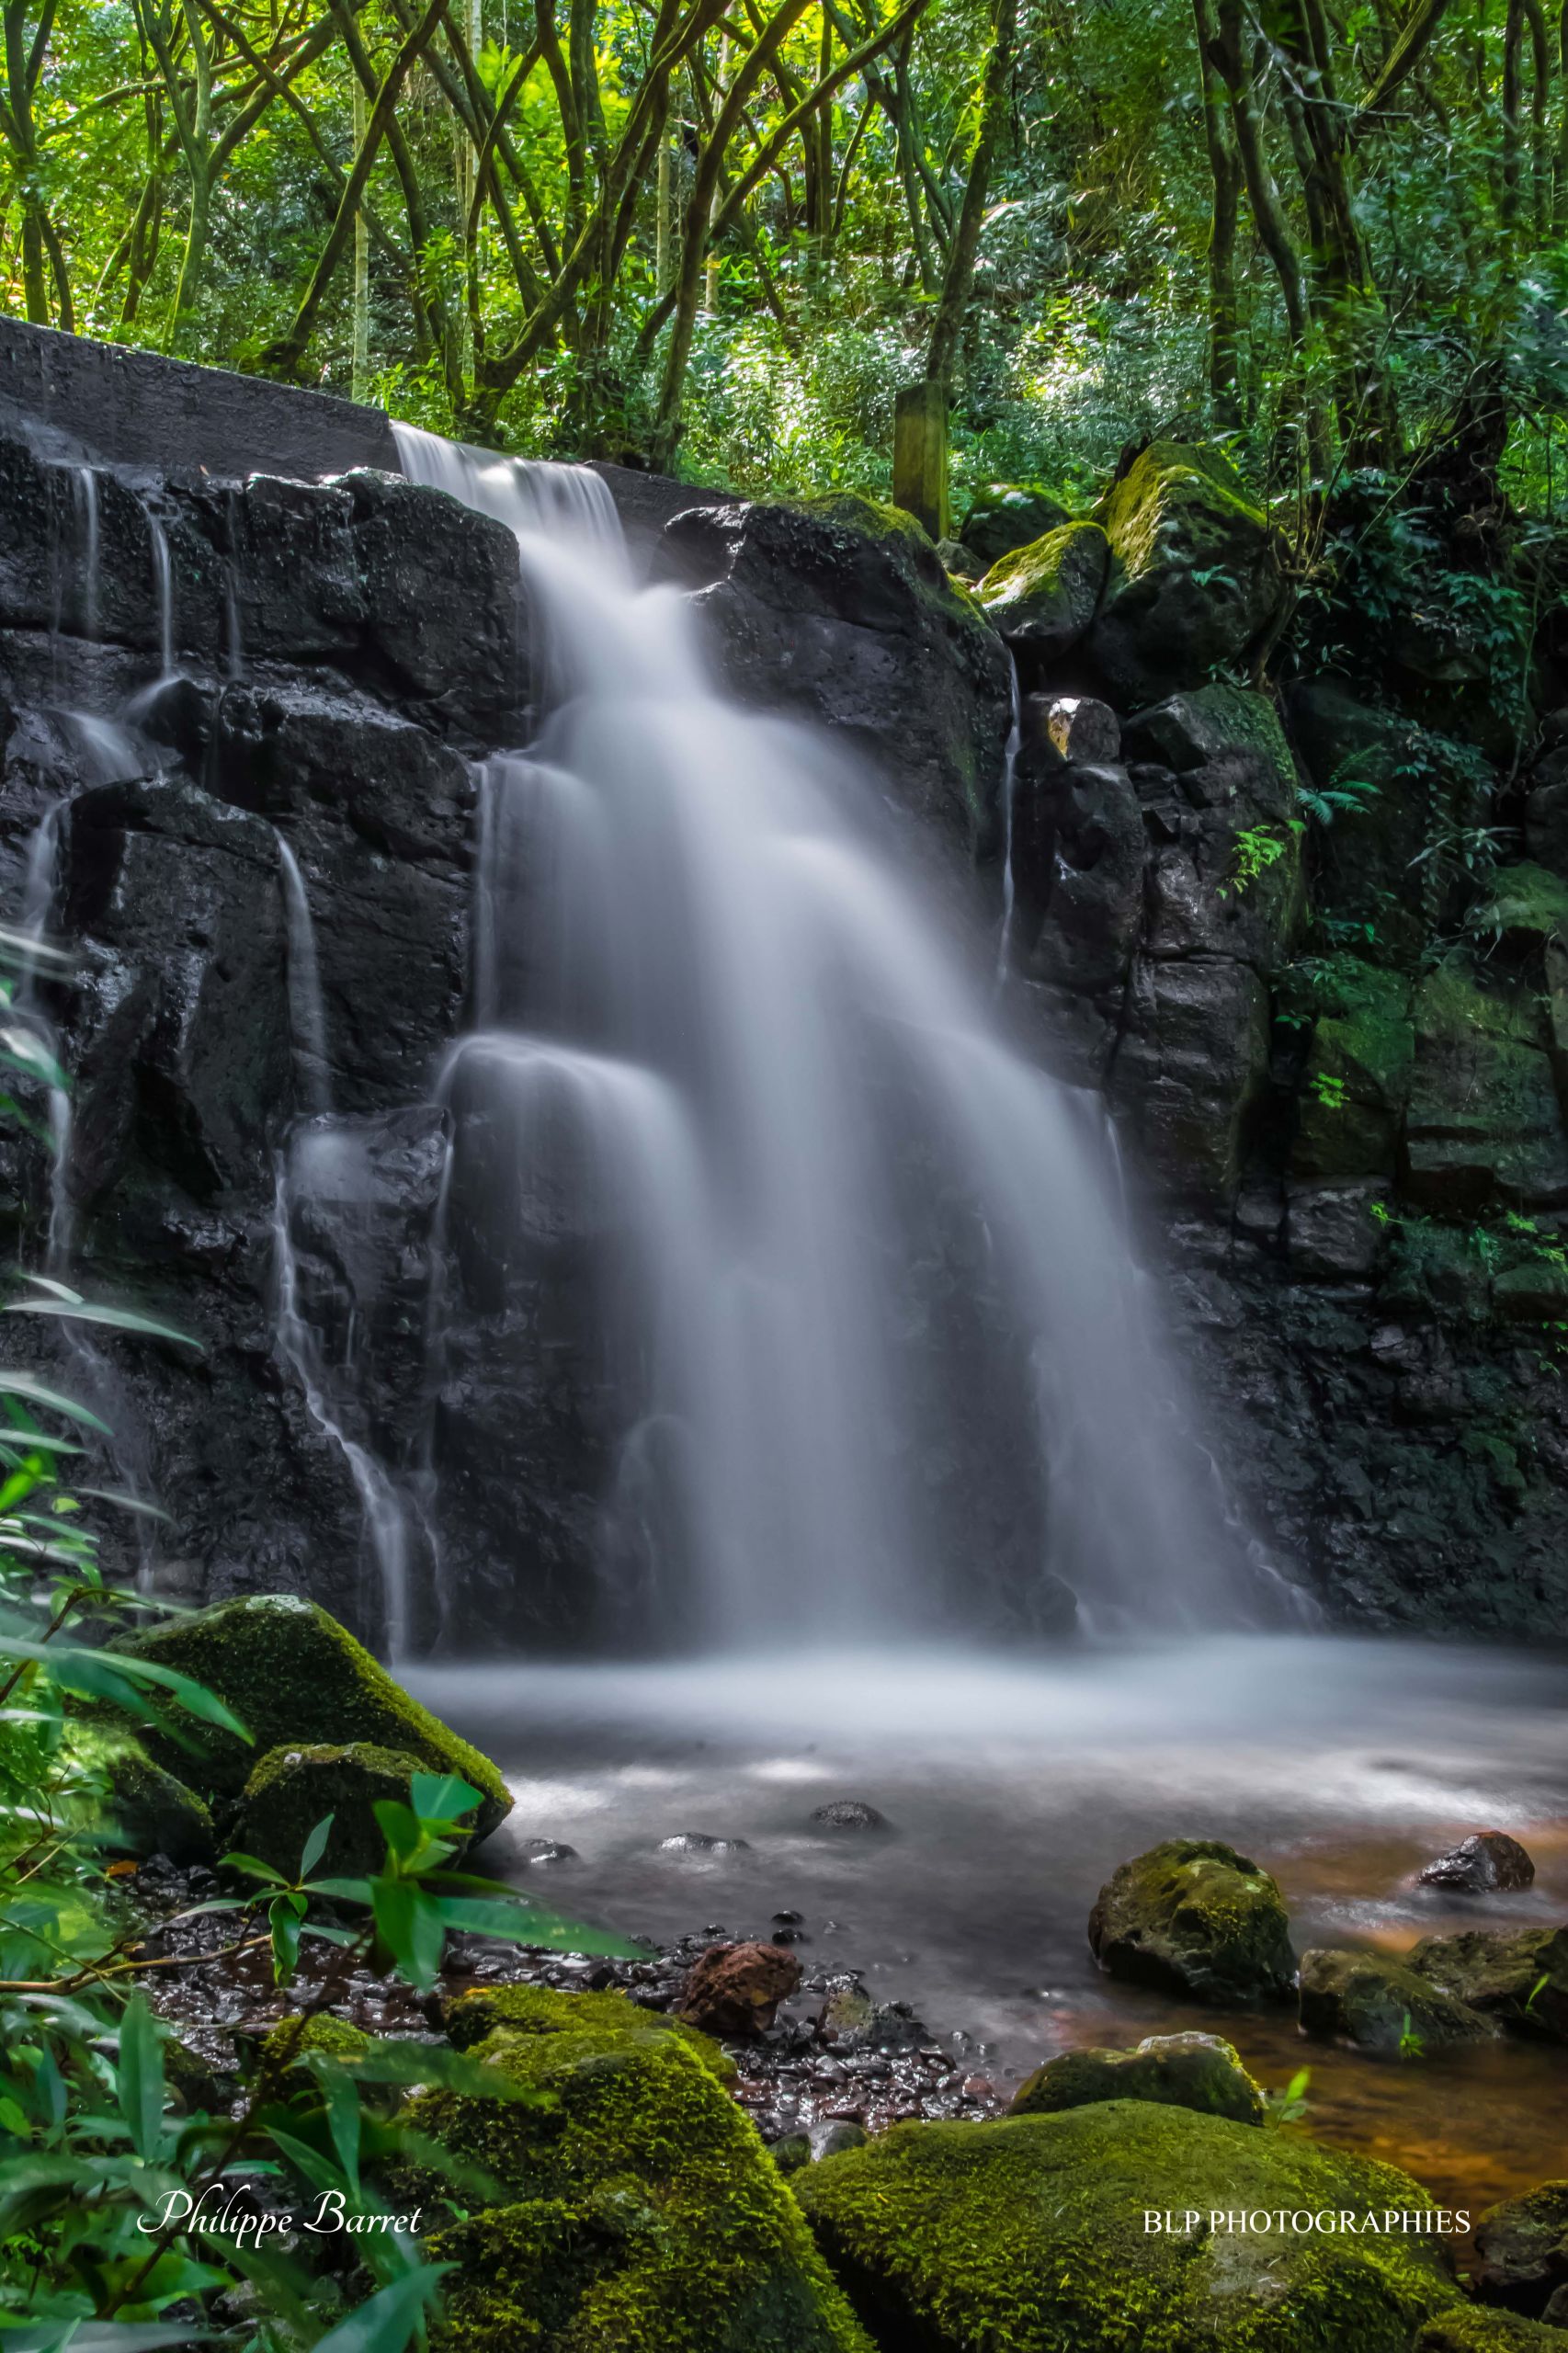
[722, 237]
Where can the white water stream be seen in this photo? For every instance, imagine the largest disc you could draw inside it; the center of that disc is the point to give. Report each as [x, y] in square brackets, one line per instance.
[713, 1008]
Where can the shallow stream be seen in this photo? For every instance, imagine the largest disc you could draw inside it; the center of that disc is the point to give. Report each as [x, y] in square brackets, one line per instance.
[1014, 1785]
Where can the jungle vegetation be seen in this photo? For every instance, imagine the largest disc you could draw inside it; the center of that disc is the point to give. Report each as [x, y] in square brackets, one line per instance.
[718, 236]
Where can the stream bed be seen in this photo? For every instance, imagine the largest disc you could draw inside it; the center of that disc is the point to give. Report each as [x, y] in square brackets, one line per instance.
[1014, 1785]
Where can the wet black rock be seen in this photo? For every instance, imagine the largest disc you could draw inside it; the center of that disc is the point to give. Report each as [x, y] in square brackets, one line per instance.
[849, 1813]
[1487, 1863]
[1521, 2249]
[702, 1842]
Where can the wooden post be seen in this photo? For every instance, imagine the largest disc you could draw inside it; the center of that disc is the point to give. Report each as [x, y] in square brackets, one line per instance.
[920, 455]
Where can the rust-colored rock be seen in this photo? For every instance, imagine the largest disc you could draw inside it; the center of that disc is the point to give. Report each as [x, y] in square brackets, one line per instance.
[736, 1989]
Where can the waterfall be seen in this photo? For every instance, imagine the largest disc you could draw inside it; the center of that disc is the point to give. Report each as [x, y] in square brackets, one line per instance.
[727, 1044]
[164, 594]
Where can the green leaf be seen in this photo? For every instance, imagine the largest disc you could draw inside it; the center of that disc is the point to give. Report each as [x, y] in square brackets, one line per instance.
[116, 1319]
[23, 1384]
[410, 1925]
[141, 2077]
[252, 1866]
[104, 2337]
[315, 1845]
[386, 2323]
[441, 1797]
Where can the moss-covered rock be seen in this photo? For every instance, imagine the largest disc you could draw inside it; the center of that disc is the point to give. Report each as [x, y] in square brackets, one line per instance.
[1193, 1916]
[540, 2009]
[289, 2044]
[638, 2208]
[1370, 1999]
[1521, 2248]
[1356, 1079]
[292, 1674]
[1526, 907]
[1484, 1124]
[1030, 2235]
[1475, 2328]
[1042, 598]
[1005, 515]
[1196, 2070]
[1518, 1976]
[294, 1787]
[151, 1812]
[1195, 574]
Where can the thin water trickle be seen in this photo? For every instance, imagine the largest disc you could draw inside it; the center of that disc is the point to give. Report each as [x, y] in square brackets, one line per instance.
[884, 1237]
[163, 593]
[385, 1524]
[307, 1010]
[86, 482]
[1009, 788]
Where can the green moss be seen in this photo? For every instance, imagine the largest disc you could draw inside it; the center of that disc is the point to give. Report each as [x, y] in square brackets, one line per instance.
[1194, 1916]
[1475, 2329]
[1527, 905]
[295, 1787]
[293, 1674]
[1356, 1081]
[540, 2009]
[639, 2210]
[1136, 512]
[287, 2045]
[1195, 2071]
[1027, 2236]
[1044, 596]
[1485, 1123]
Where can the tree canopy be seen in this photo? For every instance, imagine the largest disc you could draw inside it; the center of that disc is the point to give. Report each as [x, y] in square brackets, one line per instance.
[720, 235]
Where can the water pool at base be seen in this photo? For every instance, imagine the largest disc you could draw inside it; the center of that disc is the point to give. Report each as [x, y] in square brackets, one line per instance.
[1015, 1786]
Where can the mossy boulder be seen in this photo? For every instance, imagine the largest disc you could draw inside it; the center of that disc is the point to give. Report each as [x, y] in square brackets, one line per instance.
[1043, 596]
[295, 1787]
[292, 1674]
[540, 2009]
[1484, 1124]
[1196, 2070]
[1521, 2249]
[1518, 1976]
[636, 2209]
[1373, 2001]
[1355, 1080]
[1192, 1917]
[1005, 515]
[1092, 2230]
[150, 1811]
[1195, 574]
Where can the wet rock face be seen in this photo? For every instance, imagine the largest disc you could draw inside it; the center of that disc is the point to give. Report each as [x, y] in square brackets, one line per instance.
[838, 611]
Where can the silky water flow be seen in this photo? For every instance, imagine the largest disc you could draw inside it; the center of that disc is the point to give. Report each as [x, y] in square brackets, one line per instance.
[841, 1221]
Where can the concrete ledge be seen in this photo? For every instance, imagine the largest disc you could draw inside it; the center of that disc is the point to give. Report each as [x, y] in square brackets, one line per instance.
[133, 408]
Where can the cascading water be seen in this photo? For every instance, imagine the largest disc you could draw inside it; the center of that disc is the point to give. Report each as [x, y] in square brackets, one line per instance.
[832, 1217]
